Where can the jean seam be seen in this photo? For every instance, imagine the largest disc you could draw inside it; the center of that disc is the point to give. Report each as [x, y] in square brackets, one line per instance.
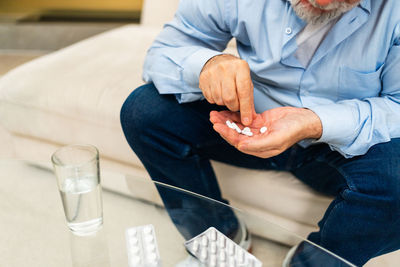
[349, 184]
[208, 144]
[197, 158]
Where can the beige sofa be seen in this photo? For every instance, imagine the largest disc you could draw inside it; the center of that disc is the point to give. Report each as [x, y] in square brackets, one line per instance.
[74, 95]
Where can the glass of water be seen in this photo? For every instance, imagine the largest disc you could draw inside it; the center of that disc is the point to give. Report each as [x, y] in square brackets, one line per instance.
[78, 177]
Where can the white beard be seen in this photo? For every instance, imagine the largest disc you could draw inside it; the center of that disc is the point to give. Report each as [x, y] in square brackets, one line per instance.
[313, 16]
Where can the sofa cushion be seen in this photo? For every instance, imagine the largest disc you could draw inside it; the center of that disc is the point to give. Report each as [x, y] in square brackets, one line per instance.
[75, 94]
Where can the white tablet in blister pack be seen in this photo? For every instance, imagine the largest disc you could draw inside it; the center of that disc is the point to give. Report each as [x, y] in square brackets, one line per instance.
[214, 249]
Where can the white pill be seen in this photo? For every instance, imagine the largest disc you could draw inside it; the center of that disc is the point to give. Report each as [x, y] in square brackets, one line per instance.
[222, 241]
[213, 235]
[232, 262]
[246, 129]
[151, 247]
[222, 256]
[231, 248]
[213, 247]
[134, 241]
[248, 133]
[229, 124]
[152, 256]
[203, 254]
[263, 129]
[135, 260]
[213, 260]
[149, 239]
[240, 256]
[147, 230]
[204, 240]
[135, 250]
[195, 246]
[132, 233]
[222, 264]
[234, 125]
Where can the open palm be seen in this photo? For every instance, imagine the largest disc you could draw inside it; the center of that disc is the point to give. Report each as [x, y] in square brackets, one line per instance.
[285, 127]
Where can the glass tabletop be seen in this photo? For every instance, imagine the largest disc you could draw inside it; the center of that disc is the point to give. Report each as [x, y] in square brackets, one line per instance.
[34, 230]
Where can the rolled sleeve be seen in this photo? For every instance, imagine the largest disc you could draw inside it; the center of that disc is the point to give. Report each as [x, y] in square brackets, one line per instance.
[195, 63]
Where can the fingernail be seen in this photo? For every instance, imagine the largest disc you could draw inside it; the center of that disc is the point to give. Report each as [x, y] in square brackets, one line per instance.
[246, 120]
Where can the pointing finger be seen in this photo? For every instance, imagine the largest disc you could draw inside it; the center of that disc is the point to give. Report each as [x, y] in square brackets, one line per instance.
[244, 87]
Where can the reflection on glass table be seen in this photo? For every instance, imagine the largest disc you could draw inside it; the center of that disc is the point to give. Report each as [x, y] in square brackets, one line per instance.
[35, 232]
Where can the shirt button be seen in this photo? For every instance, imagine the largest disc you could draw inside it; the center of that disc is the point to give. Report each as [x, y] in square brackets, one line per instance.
[288, 30]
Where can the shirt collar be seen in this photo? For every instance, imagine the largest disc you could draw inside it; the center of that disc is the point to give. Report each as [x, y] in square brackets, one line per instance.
[366, 5]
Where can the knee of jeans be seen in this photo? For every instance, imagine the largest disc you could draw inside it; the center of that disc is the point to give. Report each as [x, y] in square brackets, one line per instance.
[133, 115]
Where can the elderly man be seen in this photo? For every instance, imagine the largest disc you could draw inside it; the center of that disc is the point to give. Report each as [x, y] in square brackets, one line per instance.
[322, 75]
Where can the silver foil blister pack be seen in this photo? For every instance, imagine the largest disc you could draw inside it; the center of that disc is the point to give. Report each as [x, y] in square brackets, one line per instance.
[214, 249]
[142, 247]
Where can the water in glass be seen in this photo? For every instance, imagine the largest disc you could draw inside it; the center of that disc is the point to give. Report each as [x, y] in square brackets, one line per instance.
[81, 198]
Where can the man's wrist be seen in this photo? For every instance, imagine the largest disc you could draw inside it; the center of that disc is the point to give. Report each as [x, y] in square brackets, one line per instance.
[214, 58]
[314, 125]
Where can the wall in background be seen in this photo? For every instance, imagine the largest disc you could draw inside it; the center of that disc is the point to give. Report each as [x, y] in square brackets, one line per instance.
[70, 10]
[35, 5]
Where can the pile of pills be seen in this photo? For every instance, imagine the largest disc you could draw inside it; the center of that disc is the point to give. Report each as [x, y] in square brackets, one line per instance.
[214, 249]
[246, 131]
[142, 247]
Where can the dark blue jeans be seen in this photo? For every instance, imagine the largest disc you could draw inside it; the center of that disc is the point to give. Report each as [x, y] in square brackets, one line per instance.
[176, 142]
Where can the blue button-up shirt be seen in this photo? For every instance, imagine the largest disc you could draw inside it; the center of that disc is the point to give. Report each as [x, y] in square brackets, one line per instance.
[352, 82]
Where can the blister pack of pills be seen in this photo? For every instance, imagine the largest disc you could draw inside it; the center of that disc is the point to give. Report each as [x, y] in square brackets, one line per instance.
[214, 249]
[142, 247]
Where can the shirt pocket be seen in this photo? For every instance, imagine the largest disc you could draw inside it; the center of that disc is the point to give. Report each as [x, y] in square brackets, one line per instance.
[354, 84]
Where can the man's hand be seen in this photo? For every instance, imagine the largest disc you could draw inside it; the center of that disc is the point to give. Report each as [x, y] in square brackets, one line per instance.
[225, 80]
[286, 126]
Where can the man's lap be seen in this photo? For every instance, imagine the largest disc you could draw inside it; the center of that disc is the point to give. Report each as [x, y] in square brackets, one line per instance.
[189, 125]
[321, 168]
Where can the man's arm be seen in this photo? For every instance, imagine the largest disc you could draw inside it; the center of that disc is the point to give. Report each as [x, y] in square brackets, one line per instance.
[198, 32]
[351, 127]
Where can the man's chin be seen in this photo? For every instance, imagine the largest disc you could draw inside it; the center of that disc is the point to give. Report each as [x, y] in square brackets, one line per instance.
[311, 12]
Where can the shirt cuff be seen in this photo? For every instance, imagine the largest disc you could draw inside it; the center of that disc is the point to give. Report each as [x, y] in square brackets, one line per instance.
[195, 63]
[339, 123]
[189, 97]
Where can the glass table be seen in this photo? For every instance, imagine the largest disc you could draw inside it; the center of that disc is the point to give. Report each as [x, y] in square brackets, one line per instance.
[34, 231]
